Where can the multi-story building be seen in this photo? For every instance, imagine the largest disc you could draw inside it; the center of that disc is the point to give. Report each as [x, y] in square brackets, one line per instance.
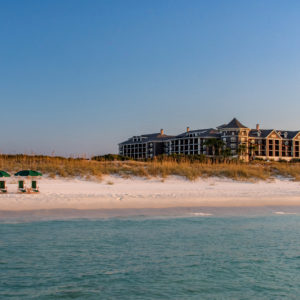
[191, 142]
[233, 138]
[144, 146]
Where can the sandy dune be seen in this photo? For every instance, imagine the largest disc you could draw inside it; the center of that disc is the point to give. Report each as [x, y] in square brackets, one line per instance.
[114, 192]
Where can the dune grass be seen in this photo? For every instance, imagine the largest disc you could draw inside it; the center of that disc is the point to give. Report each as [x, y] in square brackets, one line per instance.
[90, 169]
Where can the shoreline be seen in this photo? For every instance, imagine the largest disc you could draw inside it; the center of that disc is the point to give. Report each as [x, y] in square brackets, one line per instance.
[114, 192]
[146, 213]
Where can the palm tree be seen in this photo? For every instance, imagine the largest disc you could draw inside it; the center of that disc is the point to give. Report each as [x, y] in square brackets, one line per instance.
[242, 149]
[219, 145]
[226, 152]
[216, 146]
[252, 149]
[211, 144]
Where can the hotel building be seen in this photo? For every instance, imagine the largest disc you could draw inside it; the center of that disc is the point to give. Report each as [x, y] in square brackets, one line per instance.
[234, 137]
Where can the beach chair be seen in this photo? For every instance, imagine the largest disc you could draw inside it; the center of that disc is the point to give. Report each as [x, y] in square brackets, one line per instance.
[3, 186]
[34, 186]
[21, 186]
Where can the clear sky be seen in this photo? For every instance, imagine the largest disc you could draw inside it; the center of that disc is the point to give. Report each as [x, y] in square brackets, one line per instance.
[80, 76]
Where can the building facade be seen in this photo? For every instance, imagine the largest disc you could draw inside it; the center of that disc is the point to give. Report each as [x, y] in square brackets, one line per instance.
[232, 139]
[144, 146]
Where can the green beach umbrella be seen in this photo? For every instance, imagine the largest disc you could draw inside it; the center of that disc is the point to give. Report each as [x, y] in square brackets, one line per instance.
[4, 174]
[26, 173]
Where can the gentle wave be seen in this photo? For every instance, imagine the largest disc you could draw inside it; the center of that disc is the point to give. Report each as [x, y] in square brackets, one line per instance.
[284, 213]
[201, 214]
[185, 257]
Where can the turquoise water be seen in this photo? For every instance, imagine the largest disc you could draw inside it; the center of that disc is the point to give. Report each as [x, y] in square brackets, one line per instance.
[142, 257]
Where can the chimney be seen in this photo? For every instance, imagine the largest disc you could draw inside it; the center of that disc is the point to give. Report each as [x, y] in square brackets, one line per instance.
[161, 132]
[257, 126]
[187, 129]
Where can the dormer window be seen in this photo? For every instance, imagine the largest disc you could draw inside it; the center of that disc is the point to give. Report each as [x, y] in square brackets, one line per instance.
[258, 133]
[285, 135]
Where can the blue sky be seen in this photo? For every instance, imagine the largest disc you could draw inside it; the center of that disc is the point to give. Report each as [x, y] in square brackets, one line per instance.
[80, 76]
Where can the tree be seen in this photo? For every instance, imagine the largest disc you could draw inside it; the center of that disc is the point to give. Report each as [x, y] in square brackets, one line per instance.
[242, 150]
[219, 146]
[226, 153]
[252, 149]
[211, 144]
[216, 145]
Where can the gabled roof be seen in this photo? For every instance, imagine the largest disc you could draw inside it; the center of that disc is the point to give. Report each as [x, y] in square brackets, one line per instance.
[234, 123]
[263, 132]
[290, 134]
[152, 137]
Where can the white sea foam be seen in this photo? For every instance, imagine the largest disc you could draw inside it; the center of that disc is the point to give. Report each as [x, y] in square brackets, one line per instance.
[201, 214]
[284, 213]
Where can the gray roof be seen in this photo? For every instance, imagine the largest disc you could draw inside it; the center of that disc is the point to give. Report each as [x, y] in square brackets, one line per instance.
[222, 126]
[152, 137]
[234, 123]
[263, 132]
[290, 134]
[208, 133]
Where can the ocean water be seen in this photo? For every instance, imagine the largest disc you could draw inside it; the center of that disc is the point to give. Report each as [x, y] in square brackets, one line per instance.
[192, 254]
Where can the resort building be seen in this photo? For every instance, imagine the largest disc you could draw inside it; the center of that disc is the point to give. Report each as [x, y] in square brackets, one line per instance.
[144, 146]
[232, 139]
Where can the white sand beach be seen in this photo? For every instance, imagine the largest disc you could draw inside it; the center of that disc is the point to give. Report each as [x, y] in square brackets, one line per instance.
[116, 193]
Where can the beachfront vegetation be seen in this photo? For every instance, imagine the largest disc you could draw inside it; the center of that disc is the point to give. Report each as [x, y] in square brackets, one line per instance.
[191, 167]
